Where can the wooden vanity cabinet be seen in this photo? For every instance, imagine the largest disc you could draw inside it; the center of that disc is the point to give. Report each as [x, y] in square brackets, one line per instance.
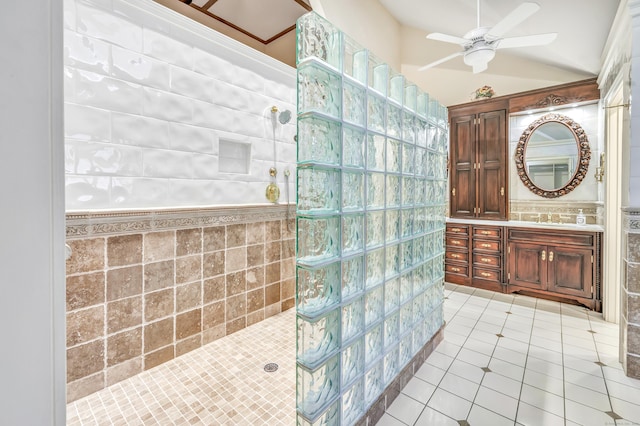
[555, 263]
[478, 156]
[456, 257]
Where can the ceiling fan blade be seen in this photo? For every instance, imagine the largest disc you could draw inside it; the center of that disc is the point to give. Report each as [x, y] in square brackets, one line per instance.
[448, 38]
[477, 68]
[525, 41]
[516, 16]
[439, 61]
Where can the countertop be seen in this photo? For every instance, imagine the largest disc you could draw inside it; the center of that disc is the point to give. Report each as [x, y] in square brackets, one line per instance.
[522, 224]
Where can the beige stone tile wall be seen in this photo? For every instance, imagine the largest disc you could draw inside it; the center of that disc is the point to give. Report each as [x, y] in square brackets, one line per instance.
[630, 327]
[138, 299]
[560, 211]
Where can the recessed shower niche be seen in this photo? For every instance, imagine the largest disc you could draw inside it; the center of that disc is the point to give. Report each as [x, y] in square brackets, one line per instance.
[371, 192]
[234, 157]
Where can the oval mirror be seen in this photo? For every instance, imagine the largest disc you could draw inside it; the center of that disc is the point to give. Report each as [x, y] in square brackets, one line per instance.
[552, 156]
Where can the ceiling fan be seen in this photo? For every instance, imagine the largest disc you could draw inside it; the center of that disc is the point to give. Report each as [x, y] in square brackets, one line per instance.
[481, 43]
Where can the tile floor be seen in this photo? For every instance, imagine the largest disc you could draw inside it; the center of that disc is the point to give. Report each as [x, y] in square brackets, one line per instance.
[516, 360]
[505, 360]
[221, 383]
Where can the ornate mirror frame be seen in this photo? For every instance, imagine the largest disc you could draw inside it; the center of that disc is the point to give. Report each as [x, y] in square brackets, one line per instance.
[584, 155]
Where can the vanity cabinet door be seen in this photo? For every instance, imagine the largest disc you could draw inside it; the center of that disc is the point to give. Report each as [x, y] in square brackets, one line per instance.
[528, 265]
[570, 271]
[463, 166]
[492, 157]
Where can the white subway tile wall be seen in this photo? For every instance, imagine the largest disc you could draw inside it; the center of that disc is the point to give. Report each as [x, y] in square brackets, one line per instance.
[148, 95]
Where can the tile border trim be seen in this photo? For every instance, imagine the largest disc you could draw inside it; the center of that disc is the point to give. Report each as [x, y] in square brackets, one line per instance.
[631, 218]
[116, 222]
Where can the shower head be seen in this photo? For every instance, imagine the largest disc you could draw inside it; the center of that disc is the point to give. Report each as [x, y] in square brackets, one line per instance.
[284, 117]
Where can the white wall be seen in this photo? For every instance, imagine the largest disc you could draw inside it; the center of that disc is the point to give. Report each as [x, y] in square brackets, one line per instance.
[32, 359]
[587, 117]
[148, 96]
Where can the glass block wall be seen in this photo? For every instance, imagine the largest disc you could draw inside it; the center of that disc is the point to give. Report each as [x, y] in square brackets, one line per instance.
[371, 188]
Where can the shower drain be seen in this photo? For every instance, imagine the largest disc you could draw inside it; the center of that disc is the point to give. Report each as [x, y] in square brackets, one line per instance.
[271, 367]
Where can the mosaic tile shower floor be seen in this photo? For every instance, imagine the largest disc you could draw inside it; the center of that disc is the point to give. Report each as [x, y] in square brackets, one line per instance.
[553, 381]
[221, 383]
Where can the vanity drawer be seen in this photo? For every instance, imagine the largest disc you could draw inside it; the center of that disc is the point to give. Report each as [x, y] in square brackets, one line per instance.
[457, 241]
[486, 259]
[458, 229]
[487, 232]
[486, 245]
[486, 274]
[457, 256]
[456, 269]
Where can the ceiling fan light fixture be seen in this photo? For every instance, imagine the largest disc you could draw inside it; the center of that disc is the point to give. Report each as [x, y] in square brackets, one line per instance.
[479, 56]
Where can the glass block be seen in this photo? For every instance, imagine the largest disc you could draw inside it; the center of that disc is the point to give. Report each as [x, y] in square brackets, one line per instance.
[317, 339]
[408, 159]
[410, 96]
[317, 388]
[405, 350]
[318, 238]
[318, 140]
[430, 191]
[418, 307]
[318, 289]
[319, 90]
[373, 383]
[318, 190]
[353, 106]
[375, 113]
[377, 74]
[422, 104]
[352, 277]
[421, 132]
[352, 319]
[408, 217]
[375, 190]
[420, 193]
[391, 295]
[355, 60]
[432, 141]
[373, 306]
[408, 128]
[391, 366]
[396, 86]
[375, 152]
[330, 417]
[394, 121]
[420, 164]
[373, 345]
[375, 268]
[391, 330]
[406, 317]
[352, 191]
[419, 281]
[394, 152]
[393, 223]
[375, 228]
[418, 250]
[318, 38]
[418, 339]
[392, 257]
[352, 233]
[419, 221]
[434, 111]
[393, 191]
[353, 403]
[406, 259]
[406, 287]
[352, 362]
[353, 143]
[408, 191]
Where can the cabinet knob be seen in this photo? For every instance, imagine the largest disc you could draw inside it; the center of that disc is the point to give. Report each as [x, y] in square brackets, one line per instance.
[550, 256]
[485, 232]
[455, 256]
[485, 274]
[453, 192]
[485, 260]
[544, 255]
[502, 191]
[454, 269]
[456, 229]
[485, 245]
[456, 242]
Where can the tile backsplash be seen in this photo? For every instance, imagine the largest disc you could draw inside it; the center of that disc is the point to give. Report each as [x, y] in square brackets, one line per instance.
[146, 287]
[148, 96]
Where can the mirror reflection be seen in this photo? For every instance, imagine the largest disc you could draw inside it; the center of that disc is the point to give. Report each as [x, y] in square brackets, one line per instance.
[552, 156]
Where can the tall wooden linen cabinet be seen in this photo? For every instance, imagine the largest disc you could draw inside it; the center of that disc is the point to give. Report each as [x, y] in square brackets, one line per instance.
[478, 160]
